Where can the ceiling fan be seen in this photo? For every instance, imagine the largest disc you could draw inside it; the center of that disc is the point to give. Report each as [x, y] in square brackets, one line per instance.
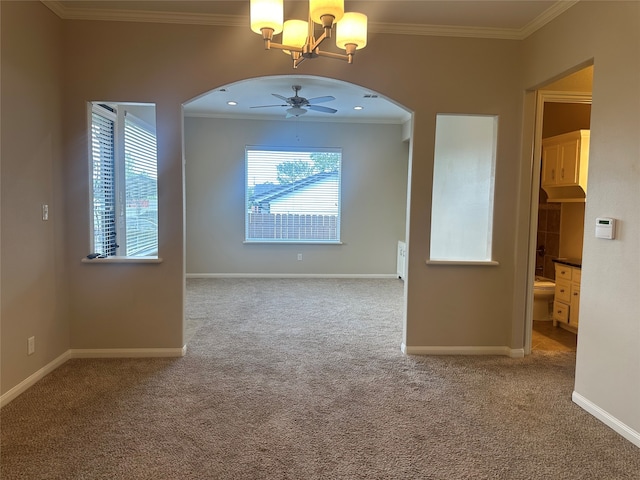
[299, 105]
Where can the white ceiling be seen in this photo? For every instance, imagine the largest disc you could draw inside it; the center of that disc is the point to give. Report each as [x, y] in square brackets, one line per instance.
[259, 91]
[508, 19]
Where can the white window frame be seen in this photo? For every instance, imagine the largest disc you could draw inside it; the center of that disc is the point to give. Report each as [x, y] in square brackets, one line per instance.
[289, 153]
[116, 113]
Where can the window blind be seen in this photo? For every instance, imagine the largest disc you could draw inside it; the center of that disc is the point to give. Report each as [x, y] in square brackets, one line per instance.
[293, 195]
[141, 187]
[104, 210]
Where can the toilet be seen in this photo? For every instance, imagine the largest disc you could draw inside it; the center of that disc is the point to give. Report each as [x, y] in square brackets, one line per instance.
[543, 291]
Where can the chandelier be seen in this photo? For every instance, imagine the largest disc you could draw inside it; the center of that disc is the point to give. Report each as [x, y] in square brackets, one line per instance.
[298, 36]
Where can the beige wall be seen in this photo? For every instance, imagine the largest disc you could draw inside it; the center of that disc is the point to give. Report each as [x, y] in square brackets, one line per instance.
[572, 229]
[446, 305]
[34, 292]
[607, 33]
[174, 63]
[374, 197]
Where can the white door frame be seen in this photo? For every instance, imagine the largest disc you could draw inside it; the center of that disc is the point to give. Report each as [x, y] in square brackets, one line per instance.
[542, 97]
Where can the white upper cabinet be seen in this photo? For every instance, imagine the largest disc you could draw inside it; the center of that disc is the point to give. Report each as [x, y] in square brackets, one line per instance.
[565, 163]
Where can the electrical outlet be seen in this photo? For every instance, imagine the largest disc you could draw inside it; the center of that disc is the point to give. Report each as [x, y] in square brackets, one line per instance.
[45, 212]
[31, 345]
[299, 256]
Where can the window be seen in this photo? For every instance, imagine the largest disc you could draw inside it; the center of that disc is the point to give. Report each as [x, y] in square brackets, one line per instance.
[292, 195]
[124, 176]
[463, 181]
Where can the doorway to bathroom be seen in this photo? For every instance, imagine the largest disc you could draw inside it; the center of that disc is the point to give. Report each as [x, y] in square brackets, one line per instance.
[563, 111]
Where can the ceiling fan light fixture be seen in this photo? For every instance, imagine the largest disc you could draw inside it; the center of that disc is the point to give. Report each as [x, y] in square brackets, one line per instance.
[267, 15]
[295, 111]
[299, 105]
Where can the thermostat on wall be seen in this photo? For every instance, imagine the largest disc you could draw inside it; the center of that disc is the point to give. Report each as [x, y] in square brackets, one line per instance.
[606, 228]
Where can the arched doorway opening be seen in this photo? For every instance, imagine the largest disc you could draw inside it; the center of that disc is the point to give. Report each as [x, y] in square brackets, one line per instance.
[373, 135]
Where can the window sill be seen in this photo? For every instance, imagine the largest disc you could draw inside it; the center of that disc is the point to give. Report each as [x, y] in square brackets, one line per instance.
[122, 260]
[485, 263]
[299, 242]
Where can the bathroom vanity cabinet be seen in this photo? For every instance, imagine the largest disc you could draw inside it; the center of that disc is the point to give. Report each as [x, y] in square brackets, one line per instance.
[566, 304]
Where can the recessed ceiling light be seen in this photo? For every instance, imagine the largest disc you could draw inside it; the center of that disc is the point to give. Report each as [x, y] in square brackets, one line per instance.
[358, 107]
[232, 103]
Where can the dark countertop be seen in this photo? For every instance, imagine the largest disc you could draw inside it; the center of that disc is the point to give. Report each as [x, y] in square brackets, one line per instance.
[572, 262]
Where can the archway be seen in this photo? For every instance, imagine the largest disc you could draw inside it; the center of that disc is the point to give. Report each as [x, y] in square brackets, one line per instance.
[375, 144]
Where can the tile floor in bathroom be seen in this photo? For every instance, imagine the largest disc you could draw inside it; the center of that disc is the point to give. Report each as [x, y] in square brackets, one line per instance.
[546, 337]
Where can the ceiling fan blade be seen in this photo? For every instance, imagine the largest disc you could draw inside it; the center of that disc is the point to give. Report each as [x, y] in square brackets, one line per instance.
[265, 106]
[284, 99]
[327, 98]
[319, 108]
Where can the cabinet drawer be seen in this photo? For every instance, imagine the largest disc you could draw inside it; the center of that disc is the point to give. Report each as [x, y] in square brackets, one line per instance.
[563, 271]
[560, 312]
[563, 291]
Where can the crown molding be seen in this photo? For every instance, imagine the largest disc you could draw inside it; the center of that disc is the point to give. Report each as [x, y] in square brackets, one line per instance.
[545, 17]
[444, 31]
[476, 32]
[302, 119]
[113, 15]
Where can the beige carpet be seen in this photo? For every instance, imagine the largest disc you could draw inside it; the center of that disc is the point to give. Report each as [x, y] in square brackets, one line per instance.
[304, 379]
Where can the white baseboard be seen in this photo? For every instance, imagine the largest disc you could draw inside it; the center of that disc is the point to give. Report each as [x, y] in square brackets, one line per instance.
[463, 350]
[291, 275]
[127, 352]
[88, 353]
[606, 418]
[33, 378]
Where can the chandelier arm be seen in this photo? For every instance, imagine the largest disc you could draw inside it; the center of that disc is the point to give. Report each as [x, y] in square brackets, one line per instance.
[315, 42]
[280, 46]
[298, 61]
[339, 56]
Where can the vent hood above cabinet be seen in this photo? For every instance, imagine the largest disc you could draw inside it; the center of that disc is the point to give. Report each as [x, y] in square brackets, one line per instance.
[565, 162]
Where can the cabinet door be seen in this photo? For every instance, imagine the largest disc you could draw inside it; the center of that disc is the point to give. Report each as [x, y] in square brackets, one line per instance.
[575, 304]
[550, 159]
[563, 291]
[569, 164]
